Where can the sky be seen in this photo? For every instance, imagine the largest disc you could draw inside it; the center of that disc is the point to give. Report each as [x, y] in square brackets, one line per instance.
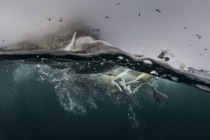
[175, 28]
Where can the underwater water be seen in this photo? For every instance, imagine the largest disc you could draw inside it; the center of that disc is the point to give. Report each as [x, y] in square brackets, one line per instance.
[62, 97]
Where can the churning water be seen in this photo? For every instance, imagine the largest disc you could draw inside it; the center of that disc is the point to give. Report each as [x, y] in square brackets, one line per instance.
[59, 95]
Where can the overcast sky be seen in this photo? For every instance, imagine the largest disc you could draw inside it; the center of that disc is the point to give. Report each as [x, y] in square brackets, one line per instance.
[147, 34]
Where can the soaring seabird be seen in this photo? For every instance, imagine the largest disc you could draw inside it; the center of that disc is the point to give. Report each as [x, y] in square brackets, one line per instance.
[117, 4]
[158, 10]
[199, 36]
[61, 20]
[49, 19]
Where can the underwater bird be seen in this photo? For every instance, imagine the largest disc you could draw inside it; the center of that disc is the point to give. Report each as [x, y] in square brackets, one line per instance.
[139, 14]
[107, 17]
[134, 80]
[158, 10]
[199, 36]
[49, 19]
[117, 4]
[120, 81]
[143, 79]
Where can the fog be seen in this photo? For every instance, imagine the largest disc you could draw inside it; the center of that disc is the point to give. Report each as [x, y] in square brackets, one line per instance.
[174, 28]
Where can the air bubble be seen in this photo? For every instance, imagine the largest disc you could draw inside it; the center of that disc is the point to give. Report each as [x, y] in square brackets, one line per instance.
[120, 57]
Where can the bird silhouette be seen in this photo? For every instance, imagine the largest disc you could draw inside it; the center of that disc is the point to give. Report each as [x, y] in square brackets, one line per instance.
[158, 10]
[49, 19]
[117, 4]
[3, 40]
[107, 17]
[139, 14]
[96, 30]
[199, 36]
[60, 20]
[185, 27]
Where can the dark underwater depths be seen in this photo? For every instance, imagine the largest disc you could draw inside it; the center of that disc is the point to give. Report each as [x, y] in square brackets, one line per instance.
[30, 110]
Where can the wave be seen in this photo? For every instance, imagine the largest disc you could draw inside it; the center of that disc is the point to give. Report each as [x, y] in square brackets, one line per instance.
[98, 62]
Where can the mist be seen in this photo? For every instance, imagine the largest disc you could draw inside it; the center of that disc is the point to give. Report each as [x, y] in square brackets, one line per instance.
[175, 28]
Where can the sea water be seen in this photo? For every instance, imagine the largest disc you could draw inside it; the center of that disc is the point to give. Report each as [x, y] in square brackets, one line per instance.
[60, 97]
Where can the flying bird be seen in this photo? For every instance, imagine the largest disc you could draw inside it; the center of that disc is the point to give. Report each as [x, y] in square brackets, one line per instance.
[3, 40]
[117, 4]
[107, 17]
[185, 27]
[139, 14]
[158, 10]
[205, 49]
[49, 19]
[199, 36]
[96, 30]
[60, 20]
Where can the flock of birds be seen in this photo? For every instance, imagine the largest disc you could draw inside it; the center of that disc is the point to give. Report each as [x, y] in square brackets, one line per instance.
[97, 30]
[49, 19]
[107, 17]
[159, 11]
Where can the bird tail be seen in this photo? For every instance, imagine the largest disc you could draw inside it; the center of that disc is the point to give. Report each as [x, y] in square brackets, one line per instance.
[159, 97]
